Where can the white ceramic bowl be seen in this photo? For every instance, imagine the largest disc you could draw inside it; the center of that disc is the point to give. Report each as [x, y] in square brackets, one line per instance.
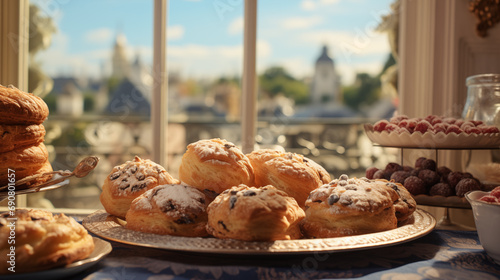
[487, 219]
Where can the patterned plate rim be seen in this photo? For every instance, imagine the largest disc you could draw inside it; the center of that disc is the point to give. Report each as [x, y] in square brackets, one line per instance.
[109, 227]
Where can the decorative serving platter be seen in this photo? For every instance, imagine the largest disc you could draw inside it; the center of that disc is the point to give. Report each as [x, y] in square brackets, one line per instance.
[112, 228]
[431, 140]
[101, 249]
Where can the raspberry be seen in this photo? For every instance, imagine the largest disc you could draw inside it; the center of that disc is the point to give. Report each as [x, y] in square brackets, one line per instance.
[442, 189]
[370, 172]
[453, 129]
[412, 123]
[471, 130]
[407, 168]
[467, 124]
[489, 129]
[414, 185]
[496, 192]
[391, 127]
[489, 198]
[441, 127]
[466, 185]
[380, 125]
[459, 122]
[400, 176]
[403, 123]
[436, 121]
[423, 126]
[477, 123]
[398, 118]
[443, 172]
[449, 120]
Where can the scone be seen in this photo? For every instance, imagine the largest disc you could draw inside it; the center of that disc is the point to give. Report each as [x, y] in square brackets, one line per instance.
[173, 209]
[42, 240]
[128, 181]
[254, 214]
[350, 206]
[215, 164]
[20, 108]
[405, 205]
[15, 136]
[290, 172]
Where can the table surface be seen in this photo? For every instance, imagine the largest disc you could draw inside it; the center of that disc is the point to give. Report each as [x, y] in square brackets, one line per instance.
[442, 254]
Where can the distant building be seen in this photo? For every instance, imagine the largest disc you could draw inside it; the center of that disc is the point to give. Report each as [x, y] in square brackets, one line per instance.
[70, 100]
[120, 64]
[325, 87]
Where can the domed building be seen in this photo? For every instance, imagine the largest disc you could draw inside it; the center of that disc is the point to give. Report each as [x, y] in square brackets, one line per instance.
[325, 87]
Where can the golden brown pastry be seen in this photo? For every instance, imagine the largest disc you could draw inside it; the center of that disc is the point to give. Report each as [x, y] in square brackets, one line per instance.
[15, 136]
[405, 205]
[254, 214]
[350, 206]
[128, 181]
[42, 241]
[172, 209]
[25, 161]
[290, 172]
[19, 107]
[216, 165]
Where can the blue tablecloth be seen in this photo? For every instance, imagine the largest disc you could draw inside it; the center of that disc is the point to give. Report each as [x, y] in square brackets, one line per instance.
[439, 255]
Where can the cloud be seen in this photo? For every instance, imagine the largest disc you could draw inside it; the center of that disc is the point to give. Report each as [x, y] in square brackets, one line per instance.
[312, 5]
[175, 32]
[236, 26]
[97, 36]
[301, 22]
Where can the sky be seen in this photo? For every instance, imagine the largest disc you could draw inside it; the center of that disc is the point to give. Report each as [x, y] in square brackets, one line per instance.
[205, 37]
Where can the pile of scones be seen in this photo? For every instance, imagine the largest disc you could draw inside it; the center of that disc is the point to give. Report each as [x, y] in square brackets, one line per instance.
[264, 195]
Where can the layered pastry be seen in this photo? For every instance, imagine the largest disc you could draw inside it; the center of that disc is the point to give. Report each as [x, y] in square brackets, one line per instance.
[216, 165]
[172, 209]
[128, 181]
[350, 206]
[254, 214]
[42, 240]
[22, 133]
[290, 172]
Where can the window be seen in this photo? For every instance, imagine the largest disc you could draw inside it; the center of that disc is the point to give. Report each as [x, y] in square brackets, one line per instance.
[100, 105]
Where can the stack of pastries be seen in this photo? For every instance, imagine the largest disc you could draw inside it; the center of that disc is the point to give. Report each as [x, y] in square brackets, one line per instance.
[265, 195]
[22, 133]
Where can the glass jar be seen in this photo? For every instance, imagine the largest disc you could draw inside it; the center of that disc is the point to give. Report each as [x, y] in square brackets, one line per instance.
[483, 99]
[483, 104]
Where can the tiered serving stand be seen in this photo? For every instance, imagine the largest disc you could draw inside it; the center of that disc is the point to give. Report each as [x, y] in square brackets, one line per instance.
[436, 142]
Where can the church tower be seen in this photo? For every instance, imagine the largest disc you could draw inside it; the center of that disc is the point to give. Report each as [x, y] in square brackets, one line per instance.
[120, 64]
[325, 86]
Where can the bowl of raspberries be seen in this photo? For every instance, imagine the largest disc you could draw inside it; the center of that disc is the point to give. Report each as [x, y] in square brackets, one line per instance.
[430, 184]
[433, 132]
[486, 210]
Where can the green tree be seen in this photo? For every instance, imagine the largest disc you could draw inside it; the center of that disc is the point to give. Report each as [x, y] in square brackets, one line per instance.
[365, 91]
[276, 80]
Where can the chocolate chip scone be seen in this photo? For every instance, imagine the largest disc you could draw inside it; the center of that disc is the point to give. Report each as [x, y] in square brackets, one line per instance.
[129, 180]
[172, 209]
[42, 240]
[405, 205]
[350, 206]
[254, 214]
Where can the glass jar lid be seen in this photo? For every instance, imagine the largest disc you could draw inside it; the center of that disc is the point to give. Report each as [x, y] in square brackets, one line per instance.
[483, 79]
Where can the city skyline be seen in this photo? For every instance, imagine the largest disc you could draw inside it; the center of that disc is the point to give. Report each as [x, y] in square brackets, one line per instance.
[205, 37]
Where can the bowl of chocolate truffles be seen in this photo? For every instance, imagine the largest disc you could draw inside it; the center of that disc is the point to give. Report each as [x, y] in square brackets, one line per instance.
[486, 210]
